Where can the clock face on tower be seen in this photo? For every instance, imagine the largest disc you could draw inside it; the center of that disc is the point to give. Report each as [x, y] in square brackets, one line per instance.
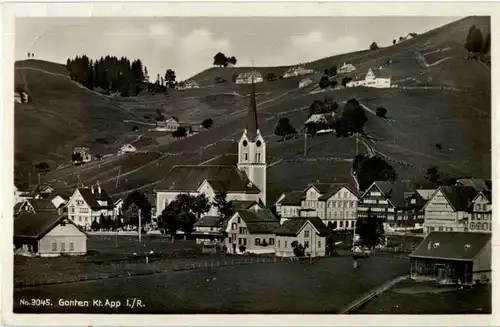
[245, 143]
[258, 143]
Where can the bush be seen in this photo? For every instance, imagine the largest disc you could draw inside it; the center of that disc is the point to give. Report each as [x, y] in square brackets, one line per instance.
[207, 123]
[324, 82]
[270, 77]
[242, 248]
[374, 46]
[135, 129]
[381, 112]
[42, 166]
[180, 132]
[346, 80]
[284, 128]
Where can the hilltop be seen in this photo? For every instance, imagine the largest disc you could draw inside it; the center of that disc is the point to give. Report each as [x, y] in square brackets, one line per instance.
[442, 99]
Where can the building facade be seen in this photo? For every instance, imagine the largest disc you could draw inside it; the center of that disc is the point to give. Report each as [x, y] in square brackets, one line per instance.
[341, 207]
[346, 68]
[480, 219]
[310, 232]
[86, 205]
[370, 80]
[297, 71]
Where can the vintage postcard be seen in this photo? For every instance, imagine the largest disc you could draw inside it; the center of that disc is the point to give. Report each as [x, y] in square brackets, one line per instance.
[174, 163]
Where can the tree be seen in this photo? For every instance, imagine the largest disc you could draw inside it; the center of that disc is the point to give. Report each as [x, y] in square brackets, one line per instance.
[474, 40]
[170, 78]
[220, 59]
[333, 83]
[370, 169]
[284, 128]
[370, 230]
[381, 112]
[330, 104]
[270, 77]
[232, 60]
[332, 71]
[394, 41]
[200, 205]
[317, 107]
[352, 120]
[324, 82]
[374, 46]
[298, 249]
[432, 174]
[224, 207]
[330, 245]
[131, 215]
[346, 80]
[139, 200]
[242, 248]
[180, 132]
[207, 123]
[94, 226]
[169, 218]
[439, 146]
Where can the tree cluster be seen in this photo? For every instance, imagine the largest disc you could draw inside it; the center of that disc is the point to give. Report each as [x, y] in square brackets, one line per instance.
[299, 250]
[370, 169]
[474, 42]
[381, 112]
[224, 207]
[105, 223]
[221, 60]
[370, 230]
[284, 127]
[323, 107]
[352, 120]
[332, 71]
[345, 80]
[181, 132]
[325, 82]
[134, 202]
[374, 46]
[183, 212]
[271, 77]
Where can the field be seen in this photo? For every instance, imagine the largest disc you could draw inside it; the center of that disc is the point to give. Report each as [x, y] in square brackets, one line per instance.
[326, 286]
[411, 297]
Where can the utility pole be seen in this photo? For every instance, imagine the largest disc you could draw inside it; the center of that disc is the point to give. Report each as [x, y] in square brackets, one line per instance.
[201, 153]
[305, 142]
[139, 211]
[38, 179]
[29, 177]
[118, 177]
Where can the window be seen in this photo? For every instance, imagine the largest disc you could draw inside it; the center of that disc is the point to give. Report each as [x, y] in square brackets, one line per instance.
[63, 246]
[234, 226]
[440, 229]
[79, 218]
[86, 219]
[341, 224]
[244, 241]
[271, 241]
[257, 241]
[319, 244]
[258, 157]
[353, 213]
[306, 244]
[239, 220]
[286, 244]
[245, 156]
[241, 230]
[306, 233]
[484, 206]
[374, 193]
[347, 224]
[240, 241]
[54, 246]
[234, 237]
[279, 243]
[244, 230]
[72, 209]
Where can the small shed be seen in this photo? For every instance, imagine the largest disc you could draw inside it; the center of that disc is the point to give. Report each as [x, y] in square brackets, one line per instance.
[453, 258]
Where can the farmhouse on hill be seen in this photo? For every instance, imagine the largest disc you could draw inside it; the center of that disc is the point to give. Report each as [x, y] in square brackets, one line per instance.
[305, 82]
[245, 181]
[84, 154]
[88, 204]
[453, 258]
[127, 148]
[346, 68]
[370, 80]
[249, 77]
[189, 84]
[297, 71]
[48, 234]
[21, 97]
[169, 125]
[310, 232]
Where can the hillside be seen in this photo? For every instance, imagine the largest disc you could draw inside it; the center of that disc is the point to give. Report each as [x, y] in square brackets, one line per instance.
[441, 99]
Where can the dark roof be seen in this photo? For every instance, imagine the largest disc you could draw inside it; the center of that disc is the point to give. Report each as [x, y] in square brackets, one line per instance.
[189, 178]
[460, 197]
[292, 226]
[334, 188]
[292, 198]
[209, 221]
[396, 192]
[252, 125]
[240, 204]
[37, 225]
[17, 207]
[322, 188]
[452, 245]
[42, 204]
[259, 221]
[477, 183]
[92, 198]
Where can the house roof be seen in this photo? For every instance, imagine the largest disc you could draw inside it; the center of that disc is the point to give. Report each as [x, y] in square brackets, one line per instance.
[41, 204]
[395, 192]
[249, 74]
[477, 183]
[330, 118]
[293, 226]
[92, 198]
[487, 195]
[334, 188]
[292, 198]
[322, 188]
[426, 194]
[459, 197]
[260, 221]
[38, 224]
[240, 204]
[189, 178]
[452, 245]
[209, 221]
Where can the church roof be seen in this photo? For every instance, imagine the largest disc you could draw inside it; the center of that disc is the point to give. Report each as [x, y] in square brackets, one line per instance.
[252, 125]
[189, 179]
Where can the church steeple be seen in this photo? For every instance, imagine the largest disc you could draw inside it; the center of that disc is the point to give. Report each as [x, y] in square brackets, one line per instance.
[252, 125]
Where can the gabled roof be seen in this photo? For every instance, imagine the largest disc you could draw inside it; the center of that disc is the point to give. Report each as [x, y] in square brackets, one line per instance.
[336, 187]
[293, 226]
[239, 204]
[395, 192]
[249, 74]
[292, 198]
[41, 204]
[321, 188]
[260, 221]
[452, 245]
[459, 197]
[426, 194]
[209, 221]
[190, 178]
[486, 194]
[37, 225]
[92, 198]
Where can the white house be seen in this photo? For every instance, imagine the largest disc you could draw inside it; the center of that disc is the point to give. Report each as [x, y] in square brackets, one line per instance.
[169, 125]
[288, 205]
[480, 220]
[189, 84]
[346, 68]
[297, 71]
[310, 232]
[327, 118]
[245, 181]
[249, 77]
[449, 209]
[88, 204]
[118, 207]
[341, 206]
[251, 231]
[305, 82]
[21, 97]
[371, 80]
[84, 153]
[127, 148]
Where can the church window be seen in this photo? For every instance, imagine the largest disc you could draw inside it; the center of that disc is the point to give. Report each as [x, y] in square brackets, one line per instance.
[245, 156]
[245, 143]
[258, 143]
[257, 241]
[258, 157]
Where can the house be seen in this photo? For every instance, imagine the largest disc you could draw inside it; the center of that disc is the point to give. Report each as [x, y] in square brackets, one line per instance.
[169, 125]
[118, 207]
[245, 181]
[310, 232]
[21, 97]
[48, 234]
[249, 77]
[297, 71]
[246, 205]
[36, 205]
[370, 80]
[88, 204]
[341, 206]
[127, 148]
[288, 205]
[251, 231]
[321, 119]
[480, 219]
[453, 257]
[311, 198]
[449, 209]
[209, 229]
[189, 84]
[389, 201]
[346, 68]
[84, 153]
[305, 82]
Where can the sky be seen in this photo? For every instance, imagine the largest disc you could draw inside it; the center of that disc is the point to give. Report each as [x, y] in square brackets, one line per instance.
[188, 44]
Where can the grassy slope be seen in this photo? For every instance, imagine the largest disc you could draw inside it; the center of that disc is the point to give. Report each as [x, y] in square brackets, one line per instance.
[463, 130]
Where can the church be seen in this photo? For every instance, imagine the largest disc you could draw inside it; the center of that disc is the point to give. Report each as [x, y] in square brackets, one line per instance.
[245, 181]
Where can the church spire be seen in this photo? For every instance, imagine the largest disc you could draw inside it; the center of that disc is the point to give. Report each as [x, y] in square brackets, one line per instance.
[252, 126]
